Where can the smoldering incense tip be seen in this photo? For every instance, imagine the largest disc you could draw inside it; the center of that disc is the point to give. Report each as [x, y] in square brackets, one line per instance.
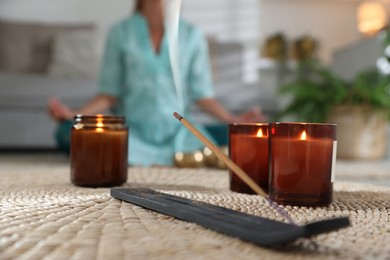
[175, 114]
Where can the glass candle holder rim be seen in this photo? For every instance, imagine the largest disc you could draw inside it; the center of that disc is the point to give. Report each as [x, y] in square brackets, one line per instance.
[106, 117]
[303, 123]
[248, 124]
[303, 130]
[108, 122]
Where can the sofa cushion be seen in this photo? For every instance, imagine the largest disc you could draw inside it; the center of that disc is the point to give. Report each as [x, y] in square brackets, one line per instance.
[26, 47]
[75, 55]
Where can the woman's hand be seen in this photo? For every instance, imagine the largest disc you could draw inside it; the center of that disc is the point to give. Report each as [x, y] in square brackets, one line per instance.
[59, 111]
[98, 104]
[253, 115]
[213, 107]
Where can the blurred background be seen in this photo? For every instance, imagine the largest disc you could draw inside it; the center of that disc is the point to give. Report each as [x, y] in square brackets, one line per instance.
[257, 48]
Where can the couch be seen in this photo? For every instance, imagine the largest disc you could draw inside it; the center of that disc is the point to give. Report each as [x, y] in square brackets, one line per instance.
[38, 61]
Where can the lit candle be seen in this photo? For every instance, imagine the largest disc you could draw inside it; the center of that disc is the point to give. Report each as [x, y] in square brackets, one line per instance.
[302, 157]
[248, 148]
[99, 151]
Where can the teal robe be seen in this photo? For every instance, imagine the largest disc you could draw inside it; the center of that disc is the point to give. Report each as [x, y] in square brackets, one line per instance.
[142, 80]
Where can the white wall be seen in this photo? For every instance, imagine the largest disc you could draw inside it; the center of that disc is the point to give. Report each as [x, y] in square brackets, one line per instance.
[102, 12]
[333, 22]
[225, 19]
[230, 20]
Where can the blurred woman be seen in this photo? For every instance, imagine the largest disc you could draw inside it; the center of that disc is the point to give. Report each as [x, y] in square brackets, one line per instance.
[137, 81]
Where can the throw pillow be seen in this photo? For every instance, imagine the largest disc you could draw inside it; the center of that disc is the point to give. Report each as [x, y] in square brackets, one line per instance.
[75, 55]
[26, 47]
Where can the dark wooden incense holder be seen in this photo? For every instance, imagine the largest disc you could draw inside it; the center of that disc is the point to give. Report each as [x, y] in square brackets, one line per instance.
[258, 230]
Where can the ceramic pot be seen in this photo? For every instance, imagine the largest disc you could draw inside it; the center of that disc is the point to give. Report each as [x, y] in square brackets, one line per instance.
[361, 132]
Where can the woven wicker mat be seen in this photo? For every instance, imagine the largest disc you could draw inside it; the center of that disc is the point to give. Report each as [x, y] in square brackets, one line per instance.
[44, 216]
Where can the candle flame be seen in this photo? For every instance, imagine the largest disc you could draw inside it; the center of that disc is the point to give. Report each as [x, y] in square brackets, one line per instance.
[303, 135]
[99, 123]
[260, 133]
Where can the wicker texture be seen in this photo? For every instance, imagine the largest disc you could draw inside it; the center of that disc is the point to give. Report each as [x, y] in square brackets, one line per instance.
[43, 216]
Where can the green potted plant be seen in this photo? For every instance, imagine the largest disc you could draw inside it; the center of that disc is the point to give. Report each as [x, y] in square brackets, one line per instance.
[360, 108]
[313, 92]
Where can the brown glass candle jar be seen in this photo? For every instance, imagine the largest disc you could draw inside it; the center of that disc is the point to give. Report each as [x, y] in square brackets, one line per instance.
[302, 157]
[98, 153]
[248, 148]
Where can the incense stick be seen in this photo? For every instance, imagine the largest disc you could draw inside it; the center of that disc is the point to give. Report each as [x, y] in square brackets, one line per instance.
[232, 166]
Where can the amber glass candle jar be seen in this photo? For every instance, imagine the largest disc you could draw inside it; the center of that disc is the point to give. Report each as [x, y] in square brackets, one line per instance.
[99, 151]
[302, 158]
[248, 148]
